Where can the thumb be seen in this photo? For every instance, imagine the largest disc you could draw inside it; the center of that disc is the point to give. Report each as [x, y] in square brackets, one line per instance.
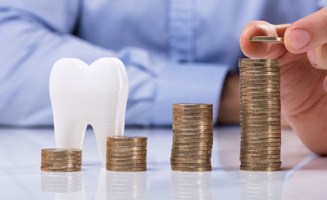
[309, 34]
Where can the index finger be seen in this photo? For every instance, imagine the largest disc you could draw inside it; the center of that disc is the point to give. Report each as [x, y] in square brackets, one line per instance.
[262, 50]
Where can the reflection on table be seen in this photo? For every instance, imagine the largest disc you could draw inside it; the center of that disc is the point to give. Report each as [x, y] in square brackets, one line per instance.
[304, 174]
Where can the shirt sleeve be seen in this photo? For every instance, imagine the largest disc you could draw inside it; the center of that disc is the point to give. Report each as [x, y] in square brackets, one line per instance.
[187, 83]
[32, 40]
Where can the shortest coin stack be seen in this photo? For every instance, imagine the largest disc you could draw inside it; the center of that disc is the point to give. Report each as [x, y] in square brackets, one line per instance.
[61, 160]
[126, 154]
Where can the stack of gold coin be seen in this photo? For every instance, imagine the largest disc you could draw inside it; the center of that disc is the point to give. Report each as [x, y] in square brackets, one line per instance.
[192, 137]
[61, 160]
[126, 154]
[260, 114]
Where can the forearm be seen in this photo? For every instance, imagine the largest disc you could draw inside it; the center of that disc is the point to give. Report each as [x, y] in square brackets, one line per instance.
[229, 109]
[29, 48]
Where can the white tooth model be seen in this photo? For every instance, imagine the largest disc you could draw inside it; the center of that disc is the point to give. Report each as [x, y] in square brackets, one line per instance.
[84, 94]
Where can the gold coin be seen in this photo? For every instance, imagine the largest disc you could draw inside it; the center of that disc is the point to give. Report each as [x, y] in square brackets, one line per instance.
[186, 151]
[194, 157]
[123, 165]
[61, 170]
[140, 169]
[126, 153]
[193, 115]
[44, 155]
[60, 151]
[192, 110]
[62, 162]
[191, 148]
[258, 60]
[188, 157]
[61, 154]
[261, 164]
[203, 135]
[187, 169]
[191, 153]
[127, 138]
[126, 166]
[126, 148]
[193, 118]
[126, 157]
[192, 144]
[250, 156]
[197, 123]
[259, 148]
[268, 169]
[188, 160]
[270, 39]
[192, 139]
[191, 167]
[258, 159]
[190, 136]
[263, 130]
[269, 136]
[55, 166]
[183, 105]
[115, 162]
[192, 126]
[274, 144]
[45, 163]
[249, 140]
[114, 146]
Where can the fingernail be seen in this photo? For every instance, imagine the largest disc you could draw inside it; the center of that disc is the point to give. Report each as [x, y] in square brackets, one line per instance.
[298, 38]
[312, 58]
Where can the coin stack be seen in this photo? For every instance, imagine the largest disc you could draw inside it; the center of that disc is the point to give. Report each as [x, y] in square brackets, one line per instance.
[126, 154]
[192, 137]
[61, 160]
[260, 114]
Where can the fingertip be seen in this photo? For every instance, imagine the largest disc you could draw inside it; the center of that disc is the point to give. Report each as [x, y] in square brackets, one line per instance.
[312, 58]
[317, 57]
[253, 49]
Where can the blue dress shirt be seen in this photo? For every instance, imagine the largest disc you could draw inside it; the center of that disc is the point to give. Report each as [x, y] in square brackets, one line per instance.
[175, 51]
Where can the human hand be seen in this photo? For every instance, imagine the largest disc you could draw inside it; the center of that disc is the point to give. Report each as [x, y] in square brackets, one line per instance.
[303, 59]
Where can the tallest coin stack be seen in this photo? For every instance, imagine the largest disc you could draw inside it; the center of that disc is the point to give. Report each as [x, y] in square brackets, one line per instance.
[260, 114]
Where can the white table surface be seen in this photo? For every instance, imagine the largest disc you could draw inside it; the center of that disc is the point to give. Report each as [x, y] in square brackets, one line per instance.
[304, 175]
